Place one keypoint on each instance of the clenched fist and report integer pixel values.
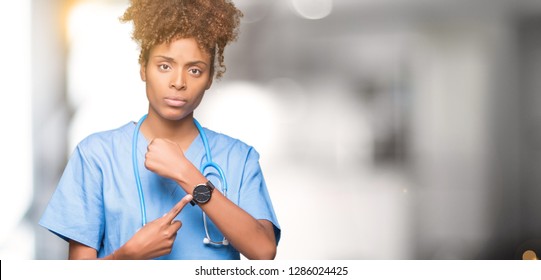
(165, 158)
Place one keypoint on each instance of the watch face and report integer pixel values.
(201, 194)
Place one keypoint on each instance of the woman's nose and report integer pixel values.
(178, 82)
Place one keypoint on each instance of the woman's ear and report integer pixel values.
(143, 73)
(211, 74)
(209, 83)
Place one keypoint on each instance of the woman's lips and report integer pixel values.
(174, 102)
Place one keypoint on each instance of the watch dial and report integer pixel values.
(201, 194)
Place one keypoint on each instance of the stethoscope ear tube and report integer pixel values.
(207, 240)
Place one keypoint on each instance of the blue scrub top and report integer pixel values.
(97, 204)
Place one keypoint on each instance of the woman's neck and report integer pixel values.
(181, 131)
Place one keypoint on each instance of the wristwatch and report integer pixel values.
(202, 193)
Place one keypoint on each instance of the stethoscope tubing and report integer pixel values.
(136, 171)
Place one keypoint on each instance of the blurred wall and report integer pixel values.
(50, 115)
(16, 234)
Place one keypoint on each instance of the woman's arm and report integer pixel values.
(253, 238)
(78, 251)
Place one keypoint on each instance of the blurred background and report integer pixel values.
(388, 129)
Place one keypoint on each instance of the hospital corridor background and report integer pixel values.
(388, 129)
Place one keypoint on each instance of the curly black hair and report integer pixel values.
(212, 23)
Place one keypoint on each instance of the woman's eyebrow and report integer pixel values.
(197, 62)
(169, 59)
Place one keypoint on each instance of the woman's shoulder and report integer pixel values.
(222, 141)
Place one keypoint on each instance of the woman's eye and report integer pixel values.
(195, 71)
(164, 67)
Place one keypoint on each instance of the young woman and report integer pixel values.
(150, 170)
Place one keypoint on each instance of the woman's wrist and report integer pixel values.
(189, 177)
(120, 254)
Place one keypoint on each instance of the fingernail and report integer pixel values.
(189, 197)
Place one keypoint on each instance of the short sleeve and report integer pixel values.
(75, 210)
(254, 197)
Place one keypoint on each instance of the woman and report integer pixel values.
(97, 207)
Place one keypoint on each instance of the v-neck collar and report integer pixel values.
(190, 154)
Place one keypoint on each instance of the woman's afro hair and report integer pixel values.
(212, 23)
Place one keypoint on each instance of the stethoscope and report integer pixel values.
(209, 163)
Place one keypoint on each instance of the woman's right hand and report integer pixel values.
(156, 238)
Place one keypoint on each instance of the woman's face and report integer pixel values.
(176, 75)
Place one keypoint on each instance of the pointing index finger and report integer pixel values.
(170, 216)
